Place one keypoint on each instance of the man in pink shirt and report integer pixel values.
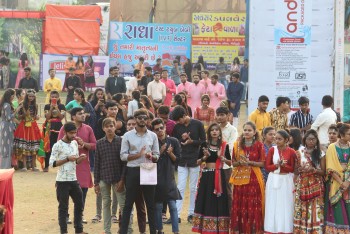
(195, 92)
(86, 141)
(184, 86)
(170, 87)
(216, 92)
(205, 81)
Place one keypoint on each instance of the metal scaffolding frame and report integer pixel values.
(170, 11)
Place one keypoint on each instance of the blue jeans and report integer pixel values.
(173, 216)
(224, 82)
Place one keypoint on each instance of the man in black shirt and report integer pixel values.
(112, 110)
(148, 77)
(28, 82)
(115, 83)
(72, 83)
(191, 134)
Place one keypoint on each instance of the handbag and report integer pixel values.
(148, 173)
(241, 174)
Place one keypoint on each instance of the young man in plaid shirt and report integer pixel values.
(109, 171)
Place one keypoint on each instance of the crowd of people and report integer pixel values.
(288, 172)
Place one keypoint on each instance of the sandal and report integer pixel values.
(35, 169)
(96, 219)
(24, 169)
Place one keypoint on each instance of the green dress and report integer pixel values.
(337, 216)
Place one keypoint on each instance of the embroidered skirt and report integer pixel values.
(247, 207)
(308, 215)
(211, 213)
(337, 216)
(27, 139)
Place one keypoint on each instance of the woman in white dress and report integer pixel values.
(279, 206)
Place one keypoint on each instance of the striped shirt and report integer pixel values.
(298, 119)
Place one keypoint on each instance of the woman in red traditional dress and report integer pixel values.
(90, 74)
(205, 113)
(248, 157)
(27, 135)
(280, 186)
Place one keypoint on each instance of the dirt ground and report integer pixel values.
(36, 207)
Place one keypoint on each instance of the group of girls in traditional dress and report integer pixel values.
(307, 190)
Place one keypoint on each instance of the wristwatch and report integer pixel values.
(67, 159)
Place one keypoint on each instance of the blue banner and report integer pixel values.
(130, 41)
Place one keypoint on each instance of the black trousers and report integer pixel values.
(64, 190)
(133, 189)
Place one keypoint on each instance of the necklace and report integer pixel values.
(341, 145)
(213, 150)
(280, 152)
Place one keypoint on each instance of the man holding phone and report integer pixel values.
(86, 141)
(65, 155)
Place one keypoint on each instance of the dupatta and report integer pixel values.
(333, 166)
(218, 166)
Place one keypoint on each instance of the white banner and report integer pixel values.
(290, 54)
(57, 62)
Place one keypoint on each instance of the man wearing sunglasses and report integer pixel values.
(139, 146)
(166, 189)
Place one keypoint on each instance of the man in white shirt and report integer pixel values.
(324, 120)
(156, 91)
(65, 155)
(229, 134)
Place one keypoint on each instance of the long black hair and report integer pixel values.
(6, 98)
(23, 59)
(137, 95)
(295, 133)
(79, 59)
(147, 102)
(316, 153)
(80, 92)
(26, 101)
(91, 61)
(209, 138)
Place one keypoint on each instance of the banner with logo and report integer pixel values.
(130, 41)
(57, 62)
(217, 35)
(291, 47)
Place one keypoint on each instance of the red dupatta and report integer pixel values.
(218, 166)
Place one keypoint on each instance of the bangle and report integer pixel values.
(67, 159)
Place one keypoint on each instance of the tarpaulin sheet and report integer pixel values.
(72, 29)
(7, 198)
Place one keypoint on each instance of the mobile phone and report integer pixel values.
(54, 101)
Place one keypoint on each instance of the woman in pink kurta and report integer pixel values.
(22, 63)
(86, 134)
